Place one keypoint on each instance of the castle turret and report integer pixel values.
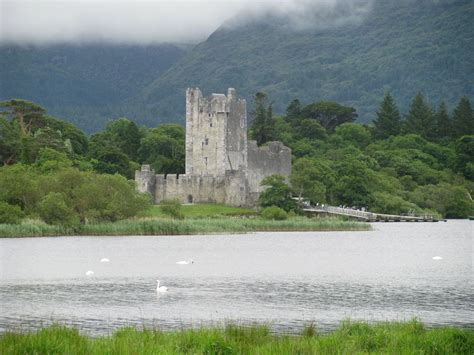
(145, 180)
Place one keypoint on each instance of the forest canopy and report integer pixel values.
(421, 161)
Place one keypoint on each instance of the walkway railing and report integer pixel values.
(366, 215)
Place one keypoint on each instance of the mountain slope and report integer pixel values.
(85, 84)
(403, 47)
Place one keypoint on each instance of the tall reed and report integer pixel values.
(184, 227)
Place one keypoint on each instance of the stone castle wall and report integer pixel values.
(221, 166)
(230, 189)
(271, 158)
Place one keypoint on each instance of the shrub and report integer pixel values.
(11, 214)
(102, 197)
(384, 202)
(275, 213)
(172, 208)
(277, 193)
(53, 210)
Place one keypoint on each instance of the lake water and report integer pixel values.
(282, 279)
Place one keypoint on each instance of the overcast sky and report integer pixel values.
(151, 21)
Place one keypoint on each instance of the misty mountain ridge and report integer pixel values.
(85, 83)
(398, 47)
(351, 53)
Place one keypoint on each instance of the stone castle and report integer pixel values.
(221, 165)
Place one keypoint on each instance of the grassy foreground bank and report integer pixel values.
(350, 338)
(182, 227)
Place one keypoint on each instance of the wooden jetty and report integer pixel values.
(368, 216)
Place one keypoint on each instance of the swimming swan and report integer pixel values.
(437, 258)
(185, 262)
(104, 260)
(90, 273)
(160, 288)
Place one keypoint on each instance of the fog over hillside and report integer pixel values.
(155, 21)
(401, 47)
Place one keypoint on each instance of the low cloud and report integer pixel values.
(306, 14)
(157, 21)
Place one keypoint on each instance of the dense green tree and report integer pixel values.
(19, 185)
(111, 160)
(23, 117)
(122, 134)
(329, 114)
(277, 193)
(303, 148)
(53, 209)
(312, 179)
(125, 135)
(310, 129)
(283, 131)
(355, 134)
(353, 186)
(25, 129)
(464, 161)
(263, 125)
(420, 118)
(383, 202)
(293, 112)
(44, 137)
(68, 195)
(70, 134)
(450, 201)
(50, 160)
(463, 118)
(443, 125)
(28, 114)
(108, 198)
(387, 122)
(11, 214)
(10, 141)
(164, 149)
(408, 183)
(115, 150)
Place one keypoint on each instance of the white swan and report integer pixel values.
(89, 273)
(104, 260)
(185, 262)
(437, 258)
(160, 288)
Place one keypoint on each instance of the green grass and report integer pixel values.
(350, 338)
(202, 211)
(166, 226)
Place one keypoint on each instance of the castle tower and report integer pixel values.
(221, 166)
(216, 133)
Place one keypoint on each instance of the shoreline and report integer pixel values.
(349, 337)
(190, 226)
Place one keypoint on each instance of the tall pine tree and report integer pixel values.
(463, 118)
(293, 113)
(263, 125)
(420, 118)
(387, 122)
(442, 122)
